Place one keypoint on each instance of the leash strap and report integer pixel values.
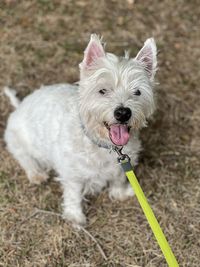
(158, 233)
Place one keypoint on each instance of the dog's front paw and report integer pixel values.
(76, 217)
(121, 193)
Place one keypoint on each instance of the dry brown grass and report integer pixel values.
(41, 42)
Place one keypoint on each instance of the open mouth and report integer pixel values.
(118, 133)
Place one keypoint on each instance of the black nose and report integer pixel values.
(122, 114)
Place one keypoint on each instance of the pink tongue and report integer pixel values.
(119, 134)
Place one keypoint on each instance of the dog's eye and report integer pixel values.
(137, 92)
(102, 91)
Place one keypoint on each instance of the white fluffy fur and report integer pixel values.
(45, 131)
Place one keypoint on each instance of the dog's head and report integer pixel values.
(116, 93)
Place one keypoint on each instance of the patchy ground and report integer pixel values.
(41, 42)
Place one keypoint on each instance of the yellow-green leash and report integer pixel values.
(124, 160)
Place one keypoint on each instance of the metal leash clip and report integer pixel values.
(122, 158)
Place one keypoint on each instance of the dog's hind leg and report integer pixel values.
(35, 171)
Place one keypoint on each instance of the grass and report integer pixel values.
(42, 42)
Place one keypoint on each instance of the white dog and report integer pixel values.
(73, 128)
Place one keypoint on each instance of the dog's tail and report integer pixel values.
(11, 94)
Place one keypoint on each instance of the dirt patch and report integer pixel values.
(42, 42)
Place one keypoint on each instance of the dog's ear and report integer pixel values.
(147, 57)
(93, 51)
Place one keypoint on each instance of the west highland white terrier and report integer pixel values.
(73, 128)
